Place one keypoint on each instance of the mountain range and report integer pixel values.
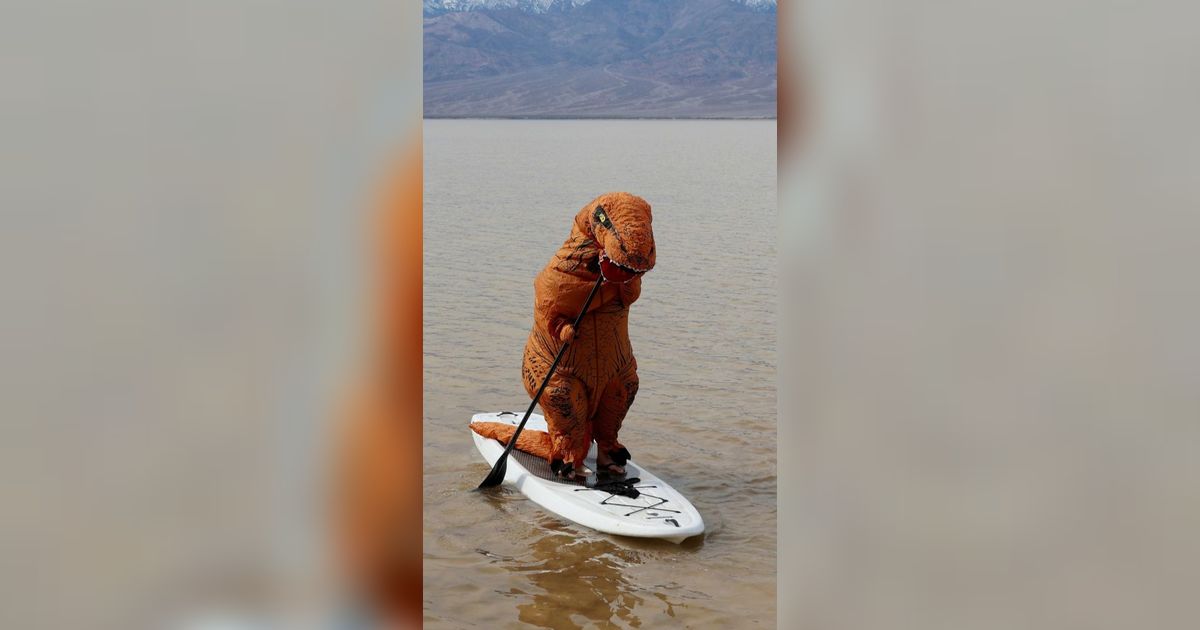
(534, 6)
(600, 58)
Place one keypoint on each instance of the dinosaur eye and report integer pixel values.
(602, 217)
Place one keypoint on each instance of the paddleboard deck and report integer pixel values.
(638, 504)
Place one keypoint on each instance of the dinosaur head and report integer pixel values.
(620, 226)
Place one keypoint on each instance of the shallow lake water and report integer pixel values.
(500, 196)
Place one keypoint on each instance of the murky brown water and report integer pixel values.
(499, 198)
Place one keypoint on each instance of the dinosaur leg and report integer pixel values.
(564, 404)
(615, 401)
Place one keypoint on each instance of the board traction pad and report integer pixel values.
(540, 468)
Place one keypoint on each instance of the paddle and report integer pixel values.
(499, 469)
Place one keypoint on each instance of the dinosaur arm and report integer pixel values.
(630, 291)
(562, 329)
(558, 297)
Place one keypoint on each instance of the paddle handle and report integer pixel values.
(501, 463)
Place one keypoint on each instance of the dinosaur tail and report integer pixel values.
(532, 442)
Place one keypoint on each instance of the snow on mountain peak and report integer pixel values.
(534, 6)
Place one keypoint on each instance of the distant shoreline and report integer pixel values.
(607, 117)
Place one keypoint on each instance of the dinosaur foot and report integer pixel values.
(612, 462)
(568, 470)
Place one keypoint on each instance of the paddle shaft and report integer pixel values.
(496, 476)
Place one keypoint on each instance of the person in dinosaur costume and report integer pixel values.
(594, 385)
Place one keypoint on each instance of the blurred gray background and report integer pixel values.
(184, 193)
(990, 412)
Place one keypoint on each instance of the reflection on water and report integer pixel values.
(579, 582)
(499, 198)
(576, 578)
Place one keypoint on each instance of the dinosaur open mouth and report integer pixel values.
(614, 271)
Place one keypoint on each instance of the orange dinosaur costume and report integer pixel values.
(596, 381)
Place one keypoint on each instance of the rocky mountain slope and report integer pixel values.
(600, 58)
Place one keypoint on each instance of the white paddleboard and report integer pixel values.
(658, 510)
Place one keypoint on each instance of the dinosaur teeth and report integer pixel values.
(633, 270)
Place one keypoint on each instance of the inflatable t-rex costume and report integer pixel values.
(595, 382)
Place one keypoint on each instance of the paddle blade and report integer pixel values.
(496, 477)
